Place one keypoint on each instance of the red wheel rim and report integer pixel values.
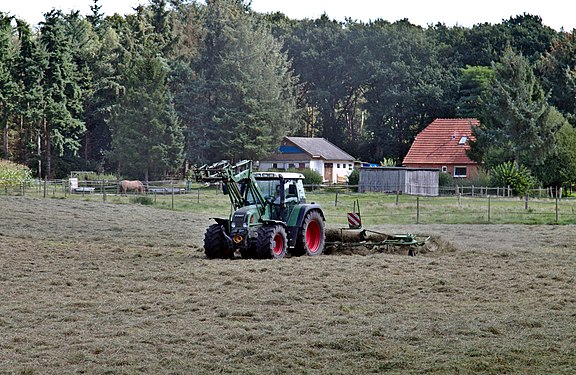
(278, 244)
(313, 236)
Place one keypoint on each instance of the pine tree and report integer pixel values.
(146, 134)
(62, 126)
(242, 97)
(8, 88)
(30, 66)
(516, 119)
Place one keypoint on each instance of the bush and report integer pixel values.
(14, 174)
(311, 177)
(445, 179)
(142, 199)
(507, 174)
(354, 179)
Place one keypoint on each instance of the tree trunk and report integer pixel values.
(39, 153)
(6, 140)
(48, 150)
(517, 159)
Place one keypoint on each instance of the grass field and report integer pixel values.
(376, 208)
(104, 288)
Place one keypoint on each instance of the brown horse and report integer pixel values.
(126, 185)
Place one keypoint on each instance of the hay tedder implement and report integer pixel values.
(355, 236)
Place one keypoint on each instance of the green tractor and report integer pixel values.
(270, 217)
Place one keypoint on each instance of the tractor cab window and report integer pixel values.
(291, 191)
(271, 190)
(268, 187)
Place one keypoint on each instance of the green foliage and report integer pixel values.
(388, 162)
(203, 81)
(473, 81)
(445, 179)
(312, 177)
(97, 177)
(62, 89)
(146, 133)
(558, 74)
(516, 117)
(8, 87)
(559, 168)
(508, 174)
(333, 103)
(354, 179)
(406, 87)
(142, 199)
(13, 174)
(240, 101)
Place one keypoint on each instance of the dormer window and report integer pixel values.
(463, 140)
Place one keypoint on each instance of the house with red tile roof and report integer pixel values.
(444, 144)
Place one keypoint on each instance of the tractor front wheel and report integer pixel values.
(215, 244)
(272, 242)
(311, 236)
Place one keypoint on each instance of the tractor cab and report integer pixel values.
(270, 183)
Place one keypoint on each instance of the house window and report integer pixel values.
(301, 165)
(350, 166)
(291, 166)
(463, 140)
(460, 172)
(444, 169)
(274, 166)
(337, 165)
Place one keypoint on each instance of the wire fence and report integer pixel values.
(457, 205)
(406, 209)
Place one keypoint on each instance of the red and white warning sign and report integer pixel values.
(354, 220)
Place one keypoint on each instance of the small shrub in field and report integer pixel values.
(508, 174)
(142, 199)
(354, 179)
(14, 174)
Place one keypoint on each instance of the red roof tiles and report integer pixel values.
(444, 141)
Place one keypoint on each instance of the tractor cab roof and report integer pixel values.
(276, 175)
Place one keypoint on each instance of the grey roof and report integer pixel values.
(320, 147)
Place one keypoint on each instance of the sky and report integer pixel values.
(555, 13)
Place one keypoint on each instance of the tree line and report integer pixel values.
(183, 82)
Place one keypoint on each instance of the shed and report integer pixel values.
(413, 181)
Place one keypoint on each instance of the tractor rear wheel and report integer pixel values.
(311, 236)
(272, 242)
(215, 245)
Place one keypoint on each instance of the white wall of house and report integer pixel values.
(318, 166)
(340, 169)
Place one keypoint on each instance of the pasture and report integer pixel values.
(377, 208)
(105, 288)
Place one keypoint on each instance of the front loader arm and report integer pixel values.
(232, 177)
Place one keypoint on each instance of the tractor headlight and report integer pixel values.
(233, 225)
